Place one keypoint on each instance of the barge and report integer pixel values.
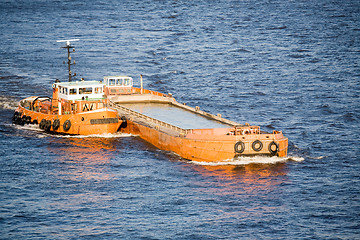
(189, 132)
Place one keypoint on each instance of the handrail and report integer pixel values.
(147, 118)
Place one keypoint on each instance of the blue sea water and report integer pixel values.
(284, 65)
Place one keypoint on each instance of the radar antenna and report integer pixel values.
(68, 47)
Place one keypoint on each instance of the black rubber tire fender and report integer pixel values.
(23, 118)
(56, 124)
(20, 120)
(273, 152)
(239, 147)
(42, 123)
(15, 117)
(67, 125)
(257, 145)
(47, 125)
(28, 120)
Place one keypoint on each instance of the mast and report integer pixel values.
(68, 47)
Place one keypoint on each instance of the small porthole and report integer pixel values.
(82, 119)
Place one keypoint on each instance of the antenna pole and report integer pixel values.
(68, 47)
(69, 61)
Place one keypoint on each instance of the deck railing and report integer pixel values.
(149, 119)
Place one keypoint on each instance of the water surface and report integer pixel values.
(284, 65)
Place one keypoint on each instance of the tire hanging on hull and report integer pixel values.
(47, 125)
(56, 124)
(257, 145)
(239, 147)
(272, 151)
(42, 123)
(67, 125)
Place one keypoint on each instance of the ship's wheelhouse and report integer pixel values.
(81, 90)
(115, 85)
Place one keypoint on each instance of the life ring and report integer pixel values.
(47, 125)
(56, 124)
(67, 125)
(271, 150)
(257, 145)
(42, 123)
(239, 147)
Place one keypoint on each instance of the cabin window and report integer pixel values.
(63, 90)
(127, 82)
(119, 82)
(87, 90)
(72, 91)
(74, 107)
(113, 90)
(112, 82)
(98, 90)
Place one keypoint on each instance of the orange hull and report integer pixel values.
(100, 121)
(209, 145)
(205, 145)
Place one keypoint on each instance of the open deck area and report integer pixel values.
(174, 115)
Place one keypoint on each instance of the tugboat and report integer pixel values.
(76, 107)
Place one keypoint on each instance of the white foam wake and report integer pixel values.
(106, 135)
(36, 128)
(251, 160)
(8, 103)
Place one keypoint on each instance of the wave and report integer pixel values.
(318, 158)
(251, 160)
(105, 135)
(8, 103)
(42, 134)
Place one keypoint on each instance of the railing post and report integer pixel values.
(141, 83)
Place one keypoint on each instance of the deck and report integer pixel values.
(175, 116)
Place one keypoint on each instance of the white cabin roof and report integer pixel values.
(81, 84)
(80, 89)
